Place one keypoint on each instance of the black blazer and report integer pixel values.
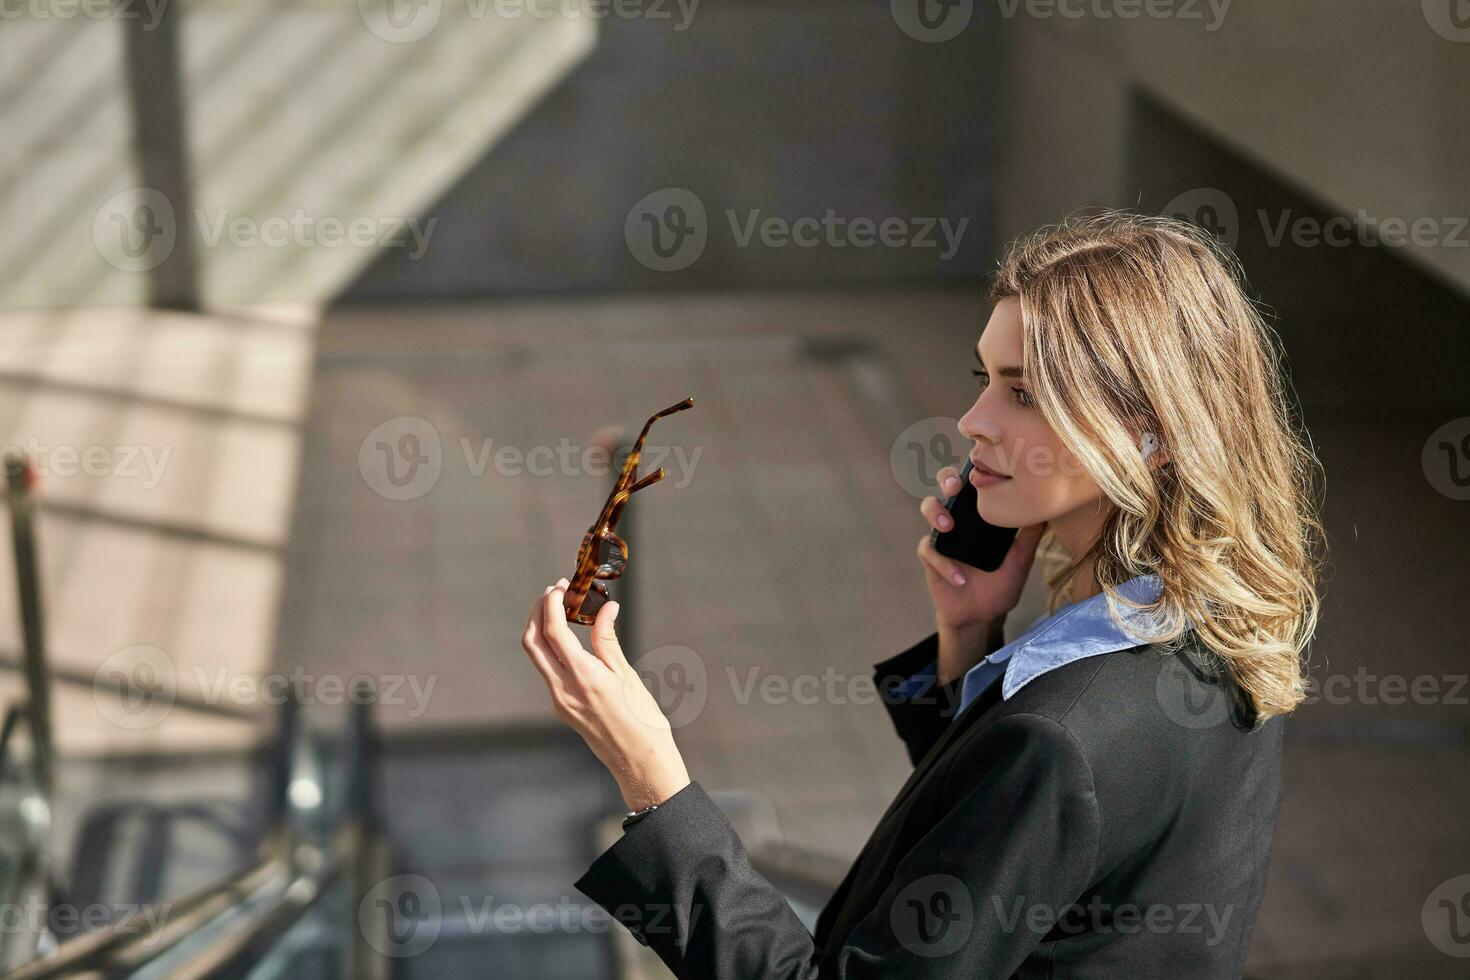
(1113, 818)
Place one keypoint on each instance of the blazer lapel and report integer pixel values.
(957, 727)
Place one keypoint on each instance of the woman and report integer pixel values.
(1096, 797)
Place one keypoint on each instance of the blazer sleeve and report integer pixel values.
(919, 707)
(1013, 846)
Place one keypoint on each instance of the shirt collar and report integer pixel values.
(1081, 629)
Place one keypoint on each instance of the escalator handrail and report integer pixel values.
(13, 714)
(92, 950)
(297, 872)
(243, 947)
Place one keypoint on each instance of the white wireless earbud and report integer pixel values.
(1147, 444)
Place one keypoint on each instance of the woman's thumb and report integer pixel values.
(604, 637)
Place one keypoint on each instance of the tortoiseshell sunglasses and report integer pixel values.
(603, 554)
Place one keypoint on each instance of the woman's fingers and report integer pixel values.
(605, 639)
(948, 480)
(554, 623)
(945, 568)
(533, 641)
(934, 512)
(532, 633)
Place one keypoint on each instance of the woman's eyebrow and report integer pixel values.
(1005, 372)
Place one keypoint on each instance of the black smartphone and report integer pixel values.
(973, 540)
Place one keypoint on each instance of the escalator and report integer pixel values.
(309, 841)
(328, 852)
(289, 913)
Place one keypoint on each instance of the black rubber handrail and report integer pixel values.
(240, 949)
(94, 950)
(291, 878)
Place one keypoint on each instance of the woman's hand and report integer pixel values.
(969, 603)
(604, 699)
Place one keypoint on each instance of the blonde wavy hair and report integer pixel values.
(1138, 323)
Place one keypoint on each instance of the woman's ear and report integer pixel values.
(1148, 446)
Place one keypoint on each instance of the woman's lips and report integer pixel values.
(981, 478)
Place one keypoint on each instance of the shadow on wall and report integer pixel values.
(726, 134)
(1344, 297)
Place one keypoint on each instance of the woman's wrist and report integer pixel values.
(962, 647)
(642, 792)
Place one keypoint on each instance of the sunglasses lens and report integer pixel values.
(610, 559)
(596, 599)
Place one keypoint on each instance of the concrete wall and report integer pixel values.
(1361, 104)
(783, 109)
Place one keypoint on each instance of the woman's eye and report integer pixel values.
(1022, 396)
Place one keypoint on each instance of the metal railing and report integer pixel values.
(30, 870)
(318, 840)
(323, 830)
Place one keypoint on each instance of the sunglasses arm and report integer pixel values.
(619, 500)
(630, 465)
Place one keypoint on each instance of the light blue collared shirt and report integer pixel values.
(1081, 629)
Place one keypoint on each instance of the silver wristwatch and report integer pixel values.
(634, 816)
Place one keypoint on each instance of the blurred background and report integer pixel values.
(319, 321)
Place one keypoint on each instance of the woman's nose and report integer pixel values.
(977, 426)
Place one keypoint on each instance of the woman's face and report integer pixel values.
(1046, 482)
